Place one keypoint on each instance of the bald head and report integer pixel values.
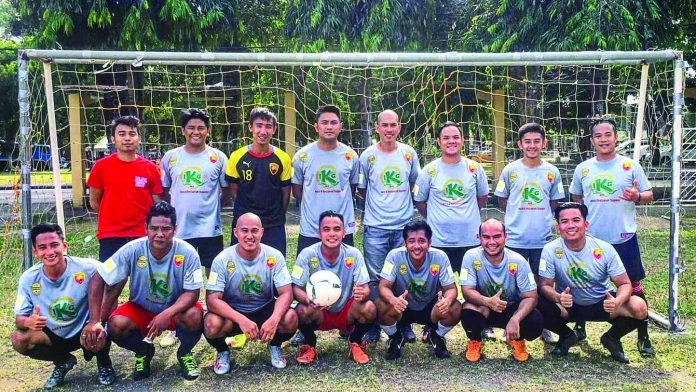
(491, 224)
(388, 128)
(249, 219)
(387, 115)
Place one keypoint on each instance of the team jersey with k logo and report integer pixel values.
(513, 275)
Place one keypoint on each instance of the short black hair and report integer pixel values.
(329, 109)
(492, 219)
(42, 228)
(531, 128)
(130, 121)
(416, 225)
(161, 208)
(446, 124)
(330, 214)
(263, 113)
(568, 206)
(601, 120)
(190, 114)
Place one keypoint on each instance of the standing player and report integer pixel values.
(51, 309)
(528, 191)
(417, 285)
(611, 186)
(574, 274)
(122, 179)
(165, 281)
(353, 312)
(241, 295)
(388, 171)
(260, 175)
(325, 174)
(500, 291)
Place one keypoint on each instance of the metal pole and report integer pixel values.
(53, 136)
(25, 156)
(640, 117)
(675, 214)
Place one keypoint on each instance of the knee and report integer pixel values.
(369, 311)
(20, 342)
(118, 326)
(212, 326)
(289, 321)
(305, 314)
(192, 319)
(641, 310)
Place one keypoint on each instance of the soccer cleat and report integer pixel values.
(439, 345)
(488, 334)
(298, 339)
(615, 348)
(189, 367)
(106, 375)
(473, 350)
(645, 348)
(580, 330)
(409, 336)
(59, 372)
(519, 350)
(373, 334)
(222, 362)
(168, 339)
(277, 358)
(549, 337)
(357, 352)
(141, 366)
(394, 345)
(564, 344)
(426, 334)
(306, 354)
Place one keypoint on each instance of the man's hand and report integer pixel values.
(399, 303)
(249, 328)
(443, 303)
(361, 293)
(631, 194)
(93, 333)
(512, 330)
(268, 329)
(565, 298)
(35, 322)
(495, 303)
(158, 324)
(609, 303)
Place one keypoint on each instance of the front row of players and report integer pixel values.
(66, 303)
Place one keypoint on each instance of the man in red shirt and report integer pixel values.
(122, 187)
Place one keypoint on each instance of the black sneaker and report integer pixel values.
(141, 365)
(615, 348)
(564, 344)
(394, 345)
(373, 334)
(645, 348)
(407, 331)
(61, 369)
(298, 339)
(580, 331)
(189, 367)
(439, 345)
(426, 334)
(106, 375)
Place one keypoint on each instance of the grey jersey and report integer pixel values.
(587, 272)
(326, 178)
(154, 284)
(513, 275)
(388, 176)
(450, 191)
(600, 184)
(423, 283)
(248, 285)
(63, 302)
(529, 192)
(349, 266)
(194, 182)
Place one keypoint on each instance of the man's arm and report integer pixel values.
(165, 195)
(623, 289)
(111, 294)
(95, 196)
(226, 194)
(422, 207)
(473, 296)
(234, 188)
(300, 295)
(482, 200)
(297, 192)
(546, 287)
(528, 303)
(156, 198)
(502, 203)
(353, 189)
(577, 198)
(282, 304)
(286, 197)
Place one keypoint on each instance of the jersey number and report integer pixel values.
(246, 174)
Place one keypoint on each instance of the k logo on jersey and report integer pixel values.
(192, 177)
(391, 177)
(602, 185)
(417, 288)
(453, 190)
(327, 177)
(492, 287)
(62, 310)
(530, 194)
(159, 289)
(251, 285)
(577, 273)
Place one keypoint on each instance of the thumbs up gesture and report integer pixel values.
(565, 298)
(399, 303)
(609, 303)
(495, 303)
(632, 193)
(443, 303)
(35, 322)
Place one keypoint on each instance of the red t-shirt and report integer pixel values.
(127, 188)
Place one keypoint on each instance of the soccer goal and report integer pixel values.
(68, 97)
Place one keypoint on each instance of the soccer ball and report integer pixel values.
(324, 288)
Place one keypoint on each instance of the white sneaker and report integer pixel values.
(222, 363)
(168, 339)
(549, 337)
(277, 358)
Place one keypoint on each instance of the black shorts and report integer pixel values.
(592, 312)
(259, 317)
(274, 236)
(109, 246)
(67, 345)
(207, 248)
(531, 255)
(423, 316)
(630, 257)
(304, 242)
(455, 254)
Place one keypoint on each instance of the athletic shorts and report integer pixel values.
(142, 317)
(258, 317)
(109, 246)
(68, 344)
(423, 316)
(630, 256)
(207, 248)
(592, 312)
(531, 255)
(274, 236)
(337, 320)
(455, 254)
(304, 242)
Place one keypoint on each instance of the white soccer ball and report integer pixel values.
(324, 288)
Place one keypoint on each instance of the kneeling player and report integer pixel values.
(417, 286)
(51, 309)
(165, 281)
(353, 312)
(499, 288)
(240, 295)
(581, 267)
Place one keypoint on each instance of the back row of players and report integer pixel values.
(448, 192)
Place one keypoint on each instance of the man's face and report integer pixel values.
(160, 233)
(262, 131)
(450, 141)
(388, 127)
(531, 144)
(328, 127)
(492, 238)
(604, 138)
(249, 233)
(331, 232)
(195, 132)
(417, 245)
(571, 225)
(49, 249)
(126, 139)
